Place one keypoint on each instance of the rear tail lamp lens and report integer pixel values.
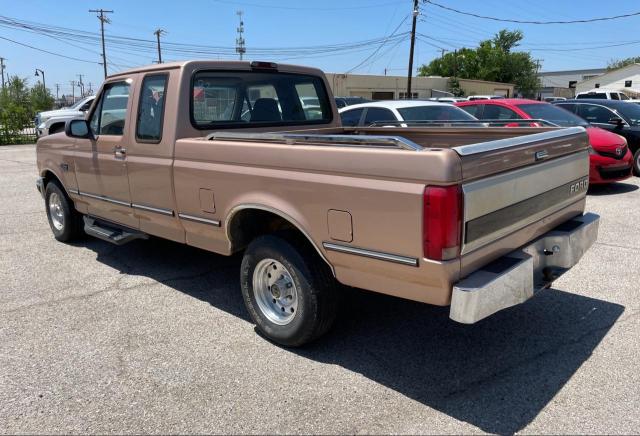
(442, 222)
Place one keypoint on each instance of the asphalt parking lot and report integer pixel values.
(153, 337)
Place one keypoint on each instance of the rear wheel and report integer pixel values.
(64, 220)
(288, 290)
(636, 163)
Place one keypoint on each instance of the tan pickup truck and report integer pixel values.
(251, 157)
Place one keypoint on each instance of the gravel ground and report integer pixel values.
(153, 337)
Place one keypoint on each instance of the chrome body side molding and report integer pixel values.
(379, 255)
(198, 219)
(159, 210)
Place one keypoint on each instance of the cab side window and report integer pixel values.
(595, 114)
(351, 118)
(150, 117)
(111, 111)
(495, 112)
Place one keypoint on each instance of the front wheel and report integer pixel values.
(288, 290)
(636, 163)
(64, 220)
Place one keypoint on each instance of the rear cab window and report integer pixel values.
(237, 99)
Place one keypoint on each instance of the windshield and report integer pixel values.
(434, 113)
(77, 104)
(631, 113)
(554, 114)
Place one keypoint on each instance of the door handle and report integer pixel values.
(120, 153)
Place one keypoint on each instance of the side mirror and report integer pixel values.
(616, 121)
(77, 129)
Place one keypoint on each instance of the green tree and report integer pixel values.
(615, 64)
(494, 60)
(15, 109)
(454, 87)
(41, 99)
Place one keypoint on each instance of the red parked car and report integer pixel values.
(610, 159)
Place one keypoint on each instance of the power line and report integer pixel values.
(47, 51)
(507, 20)
(299, 8)
(381, 45)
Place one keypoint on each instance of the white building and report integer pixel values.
(563, 83)
(626, 79)
(376, 87)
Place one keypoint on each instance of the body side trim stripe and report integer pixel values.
(197, 219)
(107, 199)
(159, 210)
(379, 255)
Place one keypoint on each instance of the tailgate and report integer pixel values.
(511, 183)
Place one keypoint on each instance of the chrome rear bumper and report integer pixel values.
(516, 277)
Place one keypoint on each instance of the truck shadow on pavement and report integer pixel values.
(497, 375)
(612, 189)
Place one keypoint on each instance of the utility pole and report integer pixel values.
(90, 91)
(73, 91)
(157, 33)
(444, 50)
(413, 44)
(240, 48)
(57, 91)
(2, 68)
(81, 85)
(103, 19)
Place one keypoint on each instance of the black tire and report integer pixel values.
(636, 163)
(317, 290)
(72, 226)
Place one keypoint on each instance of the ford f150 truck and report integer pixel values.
(225, 156)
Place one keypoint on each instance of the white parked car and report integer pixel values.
(603, 94)
(393, 111)
(49, 122)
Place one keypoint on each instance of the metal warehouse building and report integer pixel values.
(395, 87)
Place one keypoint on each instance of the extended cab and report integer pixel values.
(231, 157)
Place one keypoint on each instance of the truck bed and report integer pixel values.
(514, 183)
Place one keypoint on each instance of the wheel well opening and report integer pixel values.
(248, 224)
(49, 177)
(56, 127)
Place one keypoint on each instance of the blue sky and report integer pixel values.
(291, 23)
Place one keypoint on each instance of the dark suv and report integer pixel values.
(621, 117)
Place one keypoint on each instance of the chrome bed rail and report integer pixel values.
(359, 141)
(464, 123)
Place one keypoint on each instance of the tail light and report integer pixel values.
(442, 222)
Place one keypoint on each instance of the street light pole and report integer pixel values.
(44, 84)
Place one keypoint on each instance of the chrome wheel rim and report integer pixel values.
(275, 291)
(55, 211)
